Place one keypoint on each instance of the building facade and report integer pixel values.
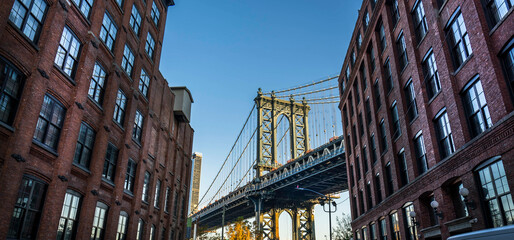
(90, 145)
(427, 100)
(197, 172)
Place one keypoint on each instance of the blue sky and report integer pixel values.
(224, 50)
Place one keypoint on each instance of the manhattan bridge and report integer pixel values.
(288, 156)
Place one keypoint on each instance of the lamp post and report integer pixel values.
(329, 206)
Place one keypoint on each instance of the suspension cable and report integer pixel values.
(304, 86)
(307, 93)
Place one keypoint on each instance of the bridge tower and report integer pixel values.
(269, 110)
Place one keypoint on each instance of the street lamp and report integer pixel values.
(330, 203)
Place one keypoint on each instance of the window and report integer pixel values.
(150, 45)
(373, 231)
(382, 37)
(365, 159)
(404, 173)
(354, 207)
(458, 200)
(431, 75)
(155, 14)
(120, 3)
(368, 195)
(108, 31)
(358, 167)
(508, 65)
(138, 126)
(389, 76)
(359, 42)
(67, 55)
(364, 233)
(167, 200)
(144, 82)
(27, 209)
(111, 157)
(354, 134)
(345, 116)
(378, 189)
(348, 145)
(140, 229)
(358, 235)
(84, 147)
(131, 176)
(157, 199)
(389, 179)
(84, 6)
(458, 39)
(395, 12)
(397, 131)
(363, 77)
(383, 136)
(119, 108)
(475, 106)
(496, 194)
(135, 20)
(498, 9)
(152, 232)
(68, 221)
(419, 149)
(351, 176)
(347, 72)
(360, 122)
(11, 85)
(49, 124)
(402, 51)
(365, 21)
(376, 88)
(444, 135)
(361, 202)
(367, 105)
(28, 15)
(146, 187)
(410, 228)
(99, 220)
(373, 149)
(356, 90)
(351, 104)
(383, 229)
(127, 63)
(410, 99)
(353, 58)
(97, 84)
(121, 233)
(420, 21)
(395, 226)
(372, 59)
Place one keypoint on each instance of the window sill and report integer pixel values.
(95, 103)
(118, 125)
(109, 182)
(422, 39)
(138, 143)
(434, 97)
(497, 25)
(106, 49)
(45, 147)
(413, 120)
(462, 65)
(404, 68)
(6, 126)
(83, 17)
(65, 75)
(442, 7)
(82, 168)
(128, 193)
(27, 40)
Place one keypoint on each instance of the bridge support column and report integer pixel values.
(257, 203)
(270, 225)
(303, 223)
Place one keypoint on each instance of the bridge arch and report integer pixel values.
(284, 139)
(286, 225)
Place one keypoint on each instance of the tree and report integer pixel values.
(343, 229)
(240, 230)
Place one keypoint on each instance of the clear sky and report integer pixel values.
(224, 50)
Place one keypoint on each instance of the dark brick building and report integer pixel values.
(93, 144)
(427, 100)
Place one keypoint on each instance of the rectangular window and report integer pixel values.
(354, 134)
(475, 106)
(144, 82)
(167, 200)
(150, 45)
(368, 195)
(135, 20)
(458, 39)
(352, 182)
(49, 124)
(402, 51)
(367, 105)
(388, 76)
(498, 9)
(351, 104)
(378, 102)
(431, 75)
(395, 12)
(155, 14)
(361, 202)
(378, 189)
(157, 199)
(121, 233)
(11, 85)
(111, 157)
(365, 159)
(108, 31)
(130, 176)
(421, 158)
(68, 221)
(347, 72)
(358, 235)
(373, 149)
(353, 58)
(354, 207)
(348, 145)
(140, 229)
(361, 124)
(444, 135)
(383, 229)
(372, 63)
(67, 55)
(97, 233)
(28, 15)
(84, 148)
(127, 63)
(389, 179)
(358, 167)
(410, 228)
(97, 84)
(410, 99)
(84, 6)
(382, 37)
(363, 78)
(373, 231)
(345, 116)
(496, 194)
(27, 209)
(120, 3)
(397, 131)
(357, 94)
(364, 233)
(395, 226)
(359, 42)
(383, 136)
(152, 232)
(420, 21)
(137, 131)
(404, 171)
(508, 66)
(365, 21)
(119, 108)
(146, 187)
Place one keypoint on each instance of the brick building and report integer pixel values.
(427, 100)
(93, 144)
